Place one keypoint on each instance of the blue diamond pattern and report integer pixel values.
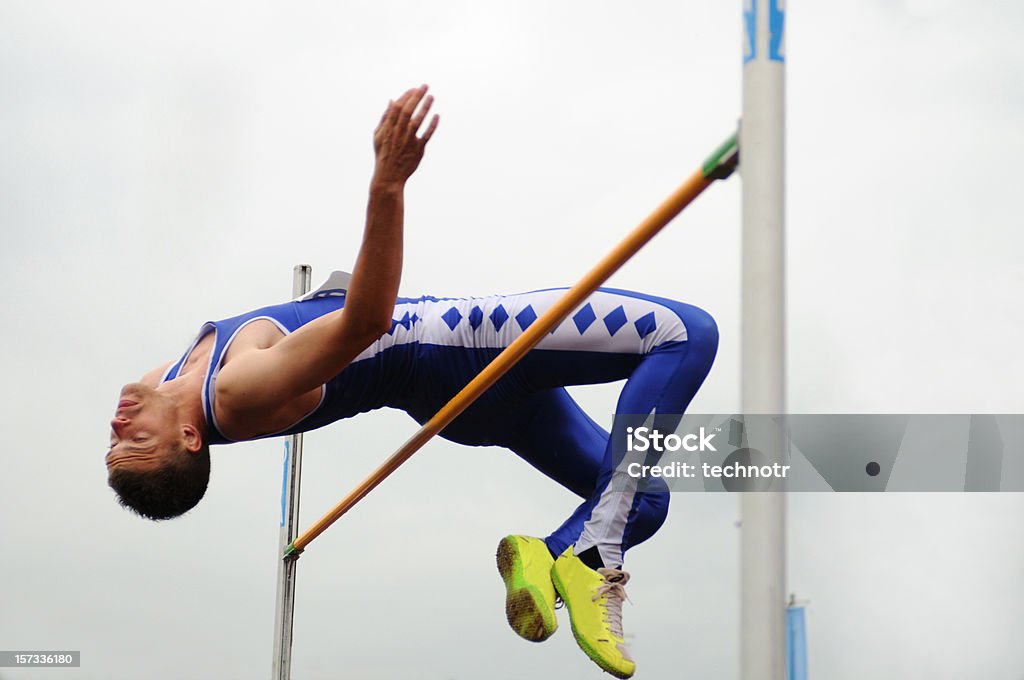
(452, 317)
(645, 325)
(405, 322)
(615, 320)
(413, 319)
(584, 318)
(498, 317)
(526, 317)
(476, 317)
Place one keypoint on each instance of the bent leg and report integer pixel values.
(553, 434)
(660, 391)
(664, 348)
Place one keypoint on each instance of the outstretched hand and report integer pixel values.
(397, 142)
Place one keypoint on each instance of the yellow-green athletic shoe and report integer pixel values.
(525, 565)
(594, 600)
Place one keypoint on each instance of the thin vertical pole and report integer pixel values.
(762, 139)
(285, 610)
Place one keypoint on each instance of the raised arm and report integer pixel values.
(378, 269)
(262, 379)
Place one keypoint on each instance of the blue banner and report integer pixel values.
(796, 644)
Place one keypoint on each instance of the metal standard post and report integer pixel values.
(763, 391)
(285, 610)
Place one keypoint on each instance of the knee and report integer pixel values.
(657, 507)
(701, 328)
(656, 497)
(651, 512)
(701, 339)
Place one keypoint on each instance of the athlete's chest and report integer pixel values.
(255, 335)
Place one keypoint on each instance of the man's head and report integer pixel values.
(158, 463)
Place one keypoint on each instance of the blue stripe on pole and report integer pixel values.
(284, 478)
(750, 30)
(776, 30)
(796, 643)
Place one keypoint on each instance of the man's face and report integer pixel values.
(144, 422)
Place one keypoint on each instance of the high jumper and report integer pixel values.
(304, 364)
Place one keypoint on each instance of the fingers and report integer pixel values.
(421, 113)
(418, 106)
(430, 129)
(402, 120)
(395, 107)
(411, 99)
(408, 112)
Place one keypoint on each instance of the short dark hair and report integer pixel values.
(165, 493)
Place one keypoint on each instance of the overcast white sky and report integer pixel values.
(165, 164)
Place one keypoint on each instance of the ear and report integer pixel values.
(193, 440)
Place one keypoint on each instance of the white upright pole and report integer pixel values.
(762, 167)
(285, 610)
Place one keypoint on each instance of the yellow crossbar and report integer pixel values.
(718, 166)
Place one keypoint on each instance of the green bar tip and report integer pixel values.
(291, 552)
(721, 163)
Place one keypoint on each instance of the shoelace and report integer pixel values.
(613, 589)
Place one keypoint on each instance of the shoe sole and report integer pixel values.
(525, 608)
(583, 644)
